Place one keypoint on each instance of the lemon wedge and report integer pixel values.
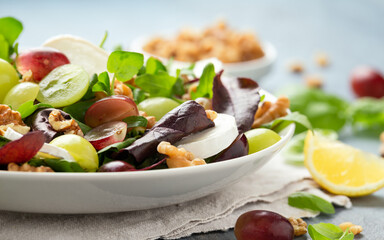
(342, 169)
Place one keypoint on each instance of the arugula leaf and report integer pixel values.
(305, 200)
(328, 231)
(280, 123)
(117, 146)
(204, 89)
(157, 85)
(3, 141)
(57, 165)
(125, 65)
(103, 84)
(135, 121)
(27, 108)
(153, 66)
(101, 45)
(367, 115)
(178, 87)
(323, 110)
(4, 48)
(90, 94)
(84, 128)
(78, 109)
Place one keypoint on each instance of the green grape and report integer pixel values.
(261, 138)
(80, 149)
(21, 93)
(157, 106)
(63, 86)
(8, 78)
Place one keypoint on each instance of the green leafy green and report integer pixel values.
(27, 108)
(78, 109)
(367, 115)
(117, 146)
(135, 121)
(323, 110)
(125, 65)
(305, 200)
(153, 66)
(157, 85)
(57, 165)
(280, 123)
(84, 128)
(90, 94)
(103, 84)
(138, 95)
(10, 29)
(118, 47)
(293, 152)
(3, 141)
(204, 89)
(328, 231)
(101, 45)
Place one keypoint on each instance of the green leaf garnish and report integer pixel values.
(280, 123)
(103, 84)
(90, 94)
(77, 110)
(57, 165)
(328, 231)
(10, 29)
(27, 108)
(138, 95)
(135, 121)
(125, 65)
(117, 146)
(104, 39)
(304, 200)
(204, 89)
(154, 66)
(157, 85)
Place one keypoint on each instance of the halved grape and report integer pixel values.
(157, 106)
(63, 86)
(80, 149)
(261, 138)
(8, 78)
(21, 93)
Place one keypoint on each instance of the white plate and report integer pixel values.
(126, 191)
(254, 69)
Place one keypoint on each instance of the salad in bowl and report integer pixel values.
(81, 127)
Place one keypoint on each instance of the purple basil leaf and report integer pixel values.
(238, 97)
(187, 118)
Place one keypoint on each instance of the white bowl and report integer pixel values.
(254, 69)
(126, 191)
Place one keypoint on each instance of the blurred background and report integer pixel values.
(349, 32)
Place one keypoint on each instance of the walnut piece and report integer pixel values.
(27, 168)
(11, 119)
(178, 157)
(121, 89)
(299, 226)
(151, 119)
(212, 115)
(321, 59)
(60, 124)
(270, 111)
(314, 81)
(296, 67)
(206, 103)
(352, 228)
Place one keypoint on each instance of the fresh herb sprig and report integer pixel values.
(309, 201)
(328, 231)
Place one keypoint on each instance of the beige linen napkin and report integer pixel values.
(267, 188)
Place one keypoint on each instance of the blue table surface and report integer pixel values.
(350, 32)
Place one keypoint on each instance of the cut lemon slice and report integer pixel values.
(342, 169)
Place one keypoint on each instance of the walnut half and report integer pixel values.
(11, 119)
(178, 157)
(299, 226)
(60, 124)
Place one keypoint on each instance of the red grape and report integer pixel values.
(367, 82)
(40, 61)
(107, 134)
(263, 225)
(116, 166)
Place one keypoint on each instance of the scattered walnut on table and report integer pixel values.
(60, 124)
(352, 228)
(178, 157)
(11, 119)
(321, 59)
(268, 111)
(314, 81)
(299, 226)
(295, 66)
(27, 168)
